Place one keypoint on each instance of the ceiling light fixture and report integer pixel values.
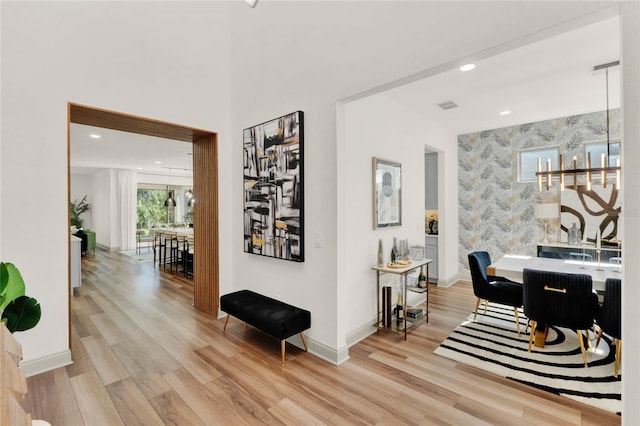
(94, 136)
(251, 3)
(467, 67)
(605, 160)
(507, 112)
(157, 162)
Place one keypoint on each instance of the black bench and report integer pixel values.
(266, 314)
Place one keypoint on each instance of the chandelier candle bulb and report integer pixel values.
(588, 171)
(561, 173)
(539, 176)
(603, 174)
(548, 173)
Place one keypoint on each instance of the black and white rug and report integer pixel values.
(492, 344)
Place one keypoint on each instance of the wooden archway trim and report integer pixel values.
(205, 185)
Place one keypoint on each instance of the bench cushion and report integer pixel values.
(272, 316)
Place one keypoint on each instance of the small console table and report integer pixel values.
(404, 271)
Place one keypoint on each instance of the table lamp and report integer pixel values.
(545, 212)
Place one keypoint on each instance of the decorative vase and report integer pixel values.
(380, 253)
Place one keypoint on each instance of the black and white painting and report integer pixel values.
(274, 188)
(387, 193)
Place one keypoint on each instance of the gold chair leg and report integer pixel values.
(534, 325)
(598, 336)
(475, 313)
(304, 342)
(616, 366)
(486, 305)
(282, 346)
(225, 323)
(584, 354)
(526, 330)
(588, 340)
(515, 312)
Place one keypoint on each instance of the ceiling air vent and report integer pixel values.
(448, 105)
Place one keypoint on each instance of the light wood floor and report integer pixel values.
(143, 355)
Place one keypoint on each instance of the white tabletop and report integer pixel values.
(511, 266)
(400, 270)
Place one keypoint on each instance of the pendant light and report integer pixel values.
(169, 202)
(605, 160)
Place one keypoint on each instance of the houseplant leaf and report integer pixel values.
(14, 286)
(21, 314)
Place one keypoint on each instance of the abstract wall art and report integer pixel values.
(274, 188)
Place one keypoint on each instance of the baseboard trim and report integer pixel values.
(322, 351)
(46, 363)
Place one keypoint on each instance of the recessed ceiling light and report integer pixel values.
(94, 136)
(467, 67)
(138, 168)
(158, 162)
(507, 112)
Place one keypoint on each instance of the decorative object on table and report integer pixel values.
(404, 250)
(380, 253)
(414, 312)
(558, 369)
(422, 279)
(77, 208)
(417, 252)
(386, 306)
(546, 212)
(399, 309)
(273, 166)
(574, 235)
(395, 253)
(18, 311)
(387, 193)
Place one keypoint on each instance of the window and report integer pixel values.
(599, 148)
(528, 162)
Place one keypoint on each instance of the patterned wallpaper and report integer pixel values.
(495, 210)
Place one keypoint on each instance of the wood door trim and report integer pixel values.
(206, 269)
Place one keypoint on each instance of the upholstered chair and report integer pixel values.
(489, 288)
(609, 316)
(560, 299)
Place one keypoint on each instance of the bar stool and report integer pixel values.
(188, 256)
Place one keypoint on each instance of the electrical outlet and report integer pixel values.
(317, 239)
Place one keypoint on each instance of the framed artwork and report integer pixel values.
(274, 188)
(387, 193)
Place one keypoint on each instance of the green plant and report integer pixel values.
(77, 208)
(18, 311)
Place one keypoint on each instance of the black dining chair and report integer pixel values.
(560, 299)
(609, 317)
(492, 288)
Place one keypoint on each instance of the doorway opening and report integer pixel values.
(205, 184)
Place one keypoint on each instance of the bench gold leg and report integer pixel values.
(282, 344)
(304, 342)
(225, 323)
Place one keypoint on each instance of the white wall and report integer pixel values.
(379, 126)
(81, 185)
(164, 60)
(289, 56)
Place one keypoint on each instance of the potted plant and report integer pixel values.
(77, 208)
(18, 311)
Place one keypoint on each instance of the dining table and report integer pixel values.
(511, 266)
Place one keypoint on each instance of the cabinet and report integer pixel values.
(406, 323)
(431, 181)
(431, 252)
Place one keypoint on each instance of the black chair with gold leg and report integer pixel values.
(609, 317)
(492, 288)
(560, 299)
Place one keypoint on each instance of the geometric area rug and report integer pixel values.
(492, 344)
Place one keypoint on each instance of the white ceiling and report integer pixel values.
(547, 79)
